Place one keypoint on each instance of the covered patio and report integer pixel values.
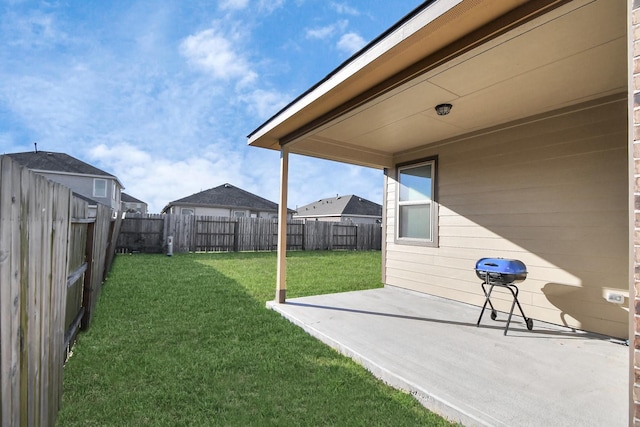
(530, 160)
(432, 348)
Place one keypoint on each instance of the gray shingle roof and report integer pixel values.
(227, 196)
(129, 199)
(56, 162)
(341, 205)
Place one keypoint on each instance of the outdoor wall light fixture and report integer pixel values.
(443, 109)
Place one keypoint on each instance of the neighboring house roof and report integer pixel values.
(124, 197)
(226, 196)
(341, 206)
(57, 162)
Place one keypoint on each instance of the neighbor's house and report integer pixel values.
(224, 201)
(95, 185)
(132, 205)
(531, 162)
(349, 209)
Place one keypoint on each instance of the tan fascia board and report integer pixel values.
(354, 65)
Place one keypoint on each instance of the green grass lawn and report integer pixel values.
(187, 341)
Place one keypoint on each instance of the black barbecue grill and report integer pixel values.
(504, 273)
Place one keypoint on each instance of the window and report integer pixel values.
(99, 187)
(186, 211)
(416, 203)
(239, 214)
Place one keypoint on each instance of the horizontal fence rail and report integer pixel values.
(149, 233)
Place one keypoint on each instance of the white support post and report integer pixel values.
(281, 285)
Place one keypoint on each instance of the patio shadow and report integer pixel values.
(572, 300)
(544, 330)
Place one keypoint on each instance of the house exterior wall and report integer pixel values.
(550, 191)
(84, 185)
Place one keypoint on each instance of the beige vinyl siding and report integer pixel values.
(552, 192)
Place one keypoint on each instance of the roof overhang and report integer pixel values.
(495, 61)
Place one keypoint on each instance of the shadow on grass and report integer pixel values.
(187, 340)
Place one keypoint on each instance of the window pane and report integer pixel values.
(415, 183)
(99, 188)
(415, 221)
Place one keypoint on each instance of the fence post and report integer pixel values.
(194, 232)
(304, 232)
(88, 274)
(235, 235)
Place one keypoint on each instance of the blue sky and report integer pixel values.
(162, 94)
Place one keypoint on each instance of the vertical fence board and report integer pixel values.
(62, 215)
(10, 265)
(89, 273)
(98, 238)
(32, 314)
(46, 285)
(113, 232)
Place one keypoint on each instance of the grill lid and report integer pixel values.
(501, 270)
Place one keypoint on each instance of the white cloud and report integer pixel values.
(351, 43)
(233, 4)
(122, 153)
(327, 31)
(268, 6)
(216, 53)
(157, 180)
(265, 103)
(33, 30)
(344, 9)
(263, 6)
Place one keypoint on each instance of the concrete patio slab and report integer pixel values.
(431, 347)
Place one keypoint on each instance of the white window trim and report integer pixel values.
(433, 204)
(95, 192)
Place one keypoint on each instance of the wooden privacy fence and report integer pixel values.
(149, 233)
(53, 259)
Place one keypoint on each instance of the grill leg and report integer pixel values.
(527, 321)
(486, 301)
(513, 304)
